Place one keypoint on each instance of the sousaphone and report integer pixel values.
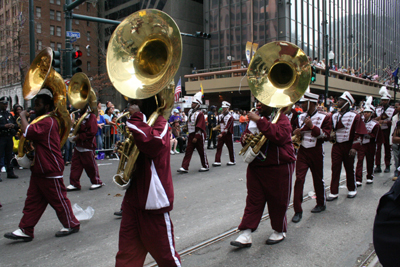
(278, 76)
(143, 56)
(41, 75)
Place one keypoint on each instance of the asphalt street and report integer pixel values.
(206, 205)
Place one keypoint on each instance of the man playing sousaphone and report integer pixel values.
(269, 180)
(146, 226)
(84, 152)
(46, 184)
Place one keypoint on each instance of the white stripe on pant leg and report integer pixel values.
(97, 175)
(171, 243)
(65, 205)
(323, 181)
(233, 150)
(60, 197)
(290, 169)
(204, 153)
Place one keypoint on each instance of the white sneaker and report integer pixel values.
(359, 183)
(182, 170)
(3, 169)
(231, 163)
(275, 238)
(370, 181)
(176, 152)
(20, 233)
(202, 169)
(95, 186)
(21, 168)
(244, 240)
(351, 194)
(216, 164)
(172, 152)
(72, 188)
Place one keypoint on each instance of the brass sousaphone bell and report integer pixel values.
(143, 56)
(80, 93)
(278, 76)
(41, 75)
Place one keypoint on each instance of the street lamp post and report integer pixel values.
(330, 58)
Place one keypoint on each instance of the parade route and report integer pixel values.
(206, 205)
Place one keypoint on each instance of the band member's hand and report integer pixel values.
(194, 140)
(352, 152)
(24, 113)
(308, 122)
(246, 136)
(76, 138)
(297, 131)
(253, 116)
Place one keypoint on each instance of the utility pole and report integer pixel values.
(31, 32)
(325, 22)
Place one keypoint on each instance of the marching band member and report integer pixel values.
(368, 147)
(212, 122)
(269, 180)
(225, 120)
(314, 127)
(84, 153)
(46, 184)
(146, 226)
(197, 133)
(384, 115)
(348, 129)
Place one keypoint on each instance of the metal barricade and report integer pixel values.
(107, 140)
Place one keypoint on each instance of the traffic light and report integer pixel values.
(76, 62)
(56, 63)
(313, 74)
(203, 35)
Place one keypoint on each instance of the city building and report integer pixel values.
(49, 32)
(360, 33)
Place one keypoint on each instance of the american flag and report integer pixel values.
(178, 90)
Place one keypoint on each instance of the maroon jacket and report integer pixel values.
(279, 149)
(87, 133)
(151, 186)
(49, 162)
(325, 129)
(227, 120)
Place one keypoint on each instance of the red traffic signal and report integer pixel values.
(77, 54)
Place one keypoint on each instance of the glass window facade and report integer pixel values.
(361, 33)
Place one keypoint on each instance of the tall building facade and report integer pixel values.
(49, 32)
(187, 14)
(361, 33)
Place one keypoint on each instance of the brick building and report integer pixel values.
(49, 32)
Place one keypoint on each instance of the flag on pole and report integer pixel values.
(178, 90)
(396, 72)
(201, 90)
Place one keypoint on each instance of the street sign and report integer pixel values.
(74, 34)
(73, 39)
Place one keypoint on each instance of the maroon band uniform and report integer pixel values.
(146, 226)
(349, 129)
(386, 115)
(269, 181)
(197, 129)
(311, 156)
(84, 152)
(226, 123)
(368, 149)
(46, 185)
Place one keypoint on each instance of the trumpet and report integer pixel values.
(296, 140)
(333, 137)
(217, 128)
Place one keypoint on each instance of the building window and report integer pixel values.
(51, 1)
(76, 47)
(58, 31)
(38, 12)
(39, 28)
(51, 30)
(87, 23)
(88, 36)
(1, 3)
(76, 21)
(59, 46)
(53, 45)
(88, 51)
(58, 15)
(51, 14)
(58, 2)
(88, 66)
(87, 7)
(39, 45)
